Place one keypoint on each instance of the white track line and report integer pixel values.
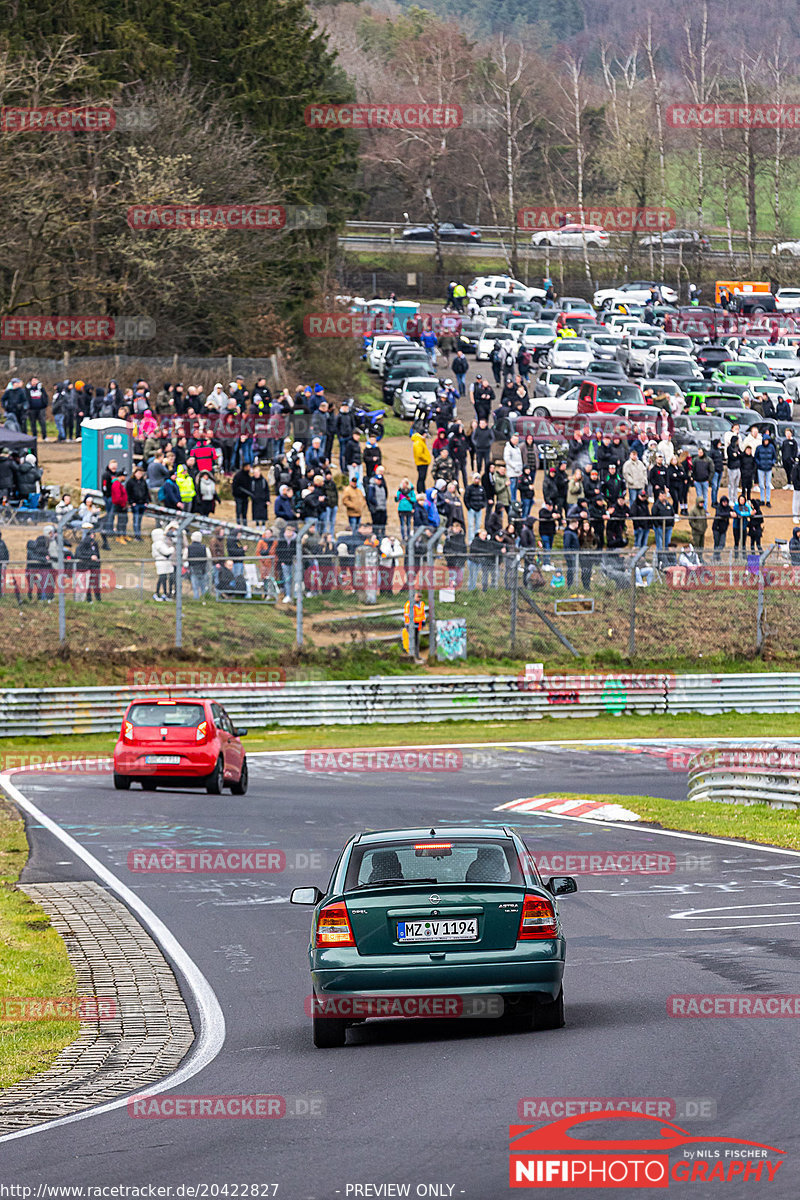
(211, 1036)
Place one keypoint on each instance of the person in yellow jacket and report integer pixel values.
(420, 617)
(422, 459)
(185, 485)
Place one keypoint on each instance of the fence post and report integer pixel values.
(62, 613)
(179, 580)
(760, 606)
(298, 580)
(632, 618)
(515, 599)
(432, 544)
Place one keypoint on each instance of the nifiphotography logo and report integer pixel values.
(563, 1154)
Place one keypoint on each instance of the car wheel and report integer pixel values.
(328, 1033)
(240, 787)
(759, 309)
(216, 779)
(550, 1014)
(122, 782)
(539, 411)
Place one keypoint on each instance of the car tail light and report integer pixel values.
(202, 731)
(333, 926)
(538, 919)
(127, 731)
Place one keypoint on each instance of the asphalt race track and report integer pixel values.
(429, 1102)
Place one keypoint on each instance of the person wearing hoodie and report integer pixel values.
(199, 559)
(163, 551)
(353, 501)
(698, 523)
(217, 399)
(765, 460)
(642, 522)
(662, 516)
(718, 459)
(748, 471)
(719, 526)
(37, 406)
(756, 527)
(206, 498)
(138, 499)
(742, 511)
(15, 402)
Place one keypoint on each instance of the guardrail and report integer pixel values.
(31, 712)
(753, 774)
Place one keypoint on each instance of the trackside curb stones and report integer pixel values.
(113, 956)
(557, 806)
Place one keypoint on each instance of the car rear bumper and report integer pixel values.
(522, 969)
(195, 766)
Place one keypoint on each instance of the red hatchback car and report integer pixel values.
(184, 742)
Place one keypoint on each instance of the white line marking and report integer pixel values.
(211, 1037)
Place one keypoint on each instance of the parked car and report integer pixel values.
(487, 288)
(488, 339)
(576, 304)
(632, 352)
(658, 351)
(402, 353)
(570, 352)
(573, 235)
(739, 373)
(412, 389)
(787, 299)
(564, 404)
(553, 381)
(396, 375)
(637, 290)
(780, 360)
(180, 743)
(449, 231)
(605, 345)
(604, 368)
(682, 370)
(708, 358)
(379, 344)
(697, 429)
(538, 337)
(601, 396)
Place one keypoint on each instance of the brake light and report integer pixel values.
(433, 845)
(538, 919)
(127, 731)
(202, 731)
(333, 926)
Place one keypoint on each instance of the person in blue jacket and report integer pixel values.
(765, 460)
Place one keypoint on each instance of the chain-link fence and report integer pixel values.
(129, 594)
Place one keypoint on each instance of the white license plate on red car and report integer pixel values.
(158, 759)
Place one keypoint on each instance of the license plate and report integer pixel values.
(162, 758)
(453, 929)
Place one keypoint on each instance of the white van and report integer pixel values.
(378, 348)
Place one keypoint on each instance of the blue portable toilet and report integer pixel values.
(102, 441)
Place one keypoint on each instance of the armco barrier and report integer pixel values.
(752, 774)
(412, 699)
(384, 700)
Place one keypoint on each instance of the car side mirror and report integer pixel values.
(305, 895)
(240, 732)
(561, 885)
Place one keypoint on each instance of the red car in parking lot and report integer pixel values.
(180, 742)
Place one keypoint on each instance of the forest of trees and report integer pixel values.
(564, 102)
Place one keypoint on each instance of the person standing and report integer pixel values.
(512, 456)
(719, 526)
(405, 498)
(422, 458)
(378, 502)
(765, 461)
(138, 499)
(733, 458)
(199, 558)
(242, 492)
(460, 367)
(37, 406)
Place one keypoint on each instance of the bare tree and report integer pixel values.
(700, 81)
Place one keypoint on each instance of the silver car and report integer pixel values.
(554, 381)
(411, 391)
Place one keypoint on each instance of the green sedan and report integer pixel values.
(740, 373)
(435, 922)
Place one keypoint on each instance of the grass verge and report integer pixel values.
(34, 963)
(750, 823)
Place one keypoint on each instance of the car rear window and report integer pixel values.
(623, 393)
(443, 860)
(187, 716)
